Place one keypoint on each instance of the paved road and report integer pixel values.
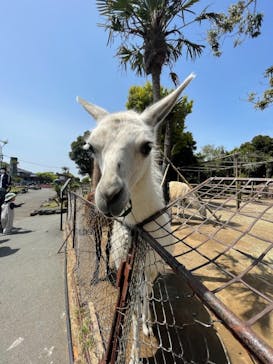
(32, 307)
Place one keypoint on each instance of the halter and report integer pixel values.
(128, 210)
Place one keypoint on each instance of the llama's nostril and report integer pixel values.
(115, 197)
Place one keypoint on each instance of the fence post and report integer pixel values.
(238, 184)
(64, 187)
(74, 220)
(123, 283)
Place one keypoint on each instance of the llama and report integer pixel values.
(123, 144)
(181, 192)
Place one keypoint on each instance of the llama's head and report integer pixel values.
(122, 144)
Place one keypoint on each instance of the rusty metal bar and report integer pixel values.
(123, 282)
(260, 349)
(74, 220)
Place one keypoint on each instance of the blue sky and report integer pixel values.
(52, 51)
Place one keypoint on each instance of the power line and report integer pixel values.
(36, 164)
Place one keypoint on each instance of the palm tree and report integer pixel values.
(153, 25)
(65, 170)
(157, 29)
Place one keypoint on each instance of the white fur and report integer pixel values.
(129, 175)
(182, 192)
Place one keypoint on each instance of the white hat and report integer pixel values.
(9, 196)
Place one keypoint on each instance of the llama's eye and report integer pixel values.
(89, 148)
(92, 149)
(145, 148)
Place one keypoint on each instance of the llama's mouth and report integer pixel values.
(127, 209)
(113, 200)
(124, 212)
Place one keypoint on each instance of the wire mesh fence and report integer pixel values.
(146, 305)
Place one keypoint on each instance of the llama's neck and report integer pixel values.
(146, 198)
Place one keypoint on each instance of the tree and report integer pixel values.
(65, 171)
(257, 156)
(152, 32)
(266, 99)
(81, 157)
(214, 160)
(46, 177)
(141, 96)
(157, 29)
(158, 41)
(263, 144)
(152, 35)
(241, 21)
(210, 152)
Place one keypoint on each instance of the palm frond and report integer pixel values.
(108, 7)
(211, 16)
(133, 56)
(194, 50)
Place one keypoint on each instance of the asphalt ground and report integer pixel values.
(32, 303)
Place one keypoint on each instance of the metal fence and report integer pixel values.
(218, 281)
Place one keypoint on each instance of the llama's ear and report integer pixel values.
(94, 110)
(157, 112)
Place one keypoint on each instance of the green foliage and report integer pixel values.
(253, 158)
(81, 157)
(241, 20)
(257, 156)
(182, 143)
(260, 145)
(266, 99)
(85, 180)
(140, 97)
(152, 32)
(210, 152)
(263, 144)
(46, 177)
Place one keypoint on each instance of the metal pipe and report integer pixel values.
(67, 311)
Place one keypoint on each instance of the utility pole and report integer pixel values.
(2, 144)
(238, 184)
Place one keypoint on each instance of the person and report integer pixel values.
(5, 180)
(7, 214)
(4, 188)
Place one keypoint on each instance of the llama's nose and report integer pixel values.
(111, 199)
(112, 195)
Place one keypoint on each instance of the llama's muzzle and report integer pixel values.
(113, 200)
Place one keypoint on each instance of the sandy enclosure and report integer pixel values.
(233, 257)
(231, 252)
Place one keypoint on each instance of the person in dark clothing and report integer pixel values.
(5, 183)
(4, 178)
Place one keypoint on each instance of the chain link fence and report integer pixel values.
(212, 298)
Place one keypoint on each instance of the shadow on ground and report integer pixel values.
(6, 250)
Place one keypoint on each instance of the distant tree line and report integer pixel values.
(250, 159)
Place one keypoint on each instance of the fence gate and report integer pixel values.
(212, 299)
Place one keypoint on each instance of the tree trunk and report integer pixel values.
(156, 96)
(167, 153)
(95, 175)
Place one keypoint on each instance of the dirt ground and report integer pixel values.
(233, 257)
